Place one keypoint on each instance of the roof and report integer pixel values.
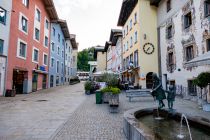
(203, 59)
(126, 9)
(114, 35)
(99, 48)
(50, 7)
(64, 28)
(107, 44)
(155, 2)
(73, 41)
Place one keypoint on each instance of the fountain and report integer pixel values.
(181, 136)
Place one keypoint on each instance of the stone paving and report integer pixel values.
(94, 122)
(69, 114)
(37, 116)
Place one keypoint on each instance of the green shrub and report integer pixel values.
(111, 90)
(110, 79)
(88, 85)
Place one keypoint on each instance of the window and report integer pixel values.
(45, 60)
(57, 69)
(169, 32)
(187, 20)
(131, 41)
(131, 58)
(3, 16)
(127, 46)
(52, 62)
(136, 37)
(124, 48)
(25, 3)
(24, 24)
(53, 46)
(37, 34)
(168, 5)
(127, 29)
(62, 68)
(58, 50)
(74, 58)
(62, 53)
(135, 18)
(59, 37)
(131, 24)
(136, 63)
(35, 55)
(38, 15)
(46, 41)
(46, 24)
(171, 58)
(53, 31)
(189, 53)
(66, 57)
(1, 46)
(208, 44)
(22, 50)
(207, 8)
(191, 88)
(63, 42)
(124, 32)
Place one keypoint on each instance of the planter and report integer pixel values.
(10, 93)
(114, 96)
(106, 97)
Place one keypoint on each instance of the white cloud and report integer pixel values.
(90, 20)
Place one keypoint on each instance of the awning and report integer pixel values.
(40, 71)
(201, 60)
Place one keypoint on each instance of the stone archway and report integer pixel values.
(149, 81)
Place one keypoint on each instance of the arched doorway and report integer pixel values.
(149, 81)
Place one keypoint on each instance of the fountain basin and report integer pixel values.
(139, 124)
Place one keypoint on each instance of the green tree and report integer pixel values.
(202, 80)
(83, 58)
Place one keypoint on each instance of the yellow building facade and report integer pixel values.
(140, 49)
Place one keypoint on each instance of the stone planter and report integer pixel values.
(114, 96)
(105, 97)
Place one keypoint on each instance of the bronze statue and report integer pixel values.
(171, 96)
(157, 90)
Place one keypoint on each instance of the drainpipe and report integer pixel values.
(159, 54)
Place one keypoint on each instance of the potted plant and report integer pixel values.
(88, 87)
(110, 93)
(203, 81)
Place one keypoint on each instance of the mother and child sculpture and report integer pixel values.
(159, 93)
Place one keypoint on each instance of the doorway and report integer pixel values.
(149, 80)
(44, 82)
(34, 82)
(18, 79)
(51, 80)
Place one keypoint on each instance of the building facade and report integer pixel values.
(5, 16)
(59, 34)
(184, 39)
(68, 55)
(74, 55)
(27, 68)
(100, 57)
(138, 20)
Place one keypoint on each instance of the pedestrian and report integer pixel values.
(171, 96)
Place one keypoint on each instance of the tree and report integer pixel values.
(202, 80)
(83, 58)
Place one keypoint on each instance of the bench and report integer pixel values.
(113, 104)
(137, 93)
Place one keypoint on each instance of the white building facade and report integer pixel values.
(5, 17)
(184, 36)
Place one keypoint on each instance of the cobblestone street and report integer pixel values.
(65, 113)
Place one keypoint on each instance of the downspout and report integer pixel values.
(159, 54)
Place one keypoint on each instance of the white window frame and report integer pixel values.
(47, 41)
(18, 48)
(46, 20)
(20, 23)
(35, 34)
(34, 48)
(51, 62)
(36, 8)
(43, 59)
(24, 2)
(136, 37)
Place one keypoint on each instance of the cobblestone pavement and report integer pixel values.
(94, 122)
(37, 116)
(69, 114)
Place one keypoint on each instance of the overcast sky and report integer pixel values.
(90, 20)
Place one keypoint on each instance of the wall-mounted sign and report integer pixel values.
(148, 48)
(41, 68)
